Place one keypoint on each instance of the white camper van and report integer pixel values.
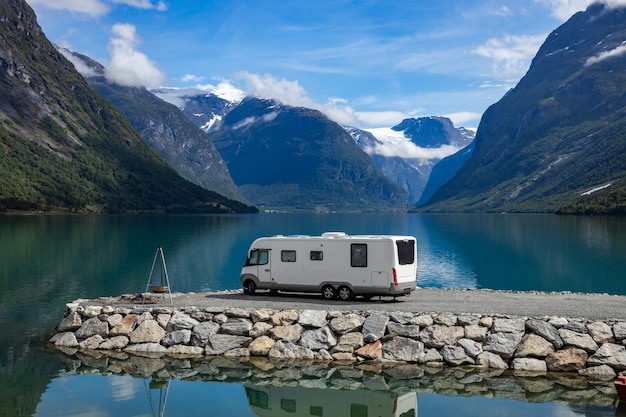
(333, 264)
(284, 401)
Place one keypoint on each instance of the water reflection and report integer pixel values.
(268, 388)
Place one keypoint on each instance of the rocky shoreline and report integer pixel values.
(537, 345)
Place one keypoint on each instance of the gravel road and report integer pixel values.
(422, 300)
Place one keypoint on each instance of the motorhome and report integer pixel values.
(334, 264)
(272, 401)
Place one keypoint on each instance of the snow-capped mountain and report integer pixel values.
(407, 152)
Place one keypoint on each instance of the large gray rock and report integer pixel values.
(570, 359)
(476, 332)
(287, 332)
(534, 346)
(177, 337)
(545, 330)
(180, 321)
(579, 340)
(288, 350)
(317, 339)
(609, 354)
(313, 318)
(115, 343)
(91, 342)
(261, 346)
(456, 356)
(347, 323)
(237, 326)
(438, 336)
(71, 322)
(220, 343)
(602, 372)
(471, 347)
(503, 344)
(148, 331)
(92, 327)
(260, 328)
(374, 327)
(124, 327)
(501, 325)
(619, 330)
(529, 365)
(491, 360)
(600, 332)
(405, 330)
(66, 339)
(201, 333)
(184, 350)
(403, 349)
(146, 348)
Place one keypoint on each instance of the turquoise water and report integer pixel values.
(47, 261)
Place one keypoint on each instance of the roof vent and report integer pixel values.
(333, 234)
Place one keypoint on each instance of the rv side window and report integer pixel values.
(288, 255)
(358, 410)
(317, 255)
(288, 405)
(406, 251)
(358, 255)
(316, 411)
(253, 259)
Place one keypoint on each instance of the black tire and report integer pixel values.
(249, 287)
(345, 293)
(328, 292)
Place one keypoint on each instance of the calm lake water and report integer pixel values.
(47, 261)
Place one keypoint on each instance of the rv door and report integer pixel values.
(264, 266)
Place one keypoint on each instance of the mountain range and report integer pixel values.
(554, 143)
(65, 148)
(557, 141)
(294, 158)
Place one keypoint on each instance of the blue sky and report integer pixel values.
(364, 63)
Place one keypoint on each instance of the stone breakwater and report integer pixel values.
(538, 345)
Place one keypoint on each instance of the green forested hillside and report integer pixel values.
(64, 148)
(560, 132)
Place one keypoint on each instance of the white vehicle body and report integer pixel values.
(333, 264)
(272, 401)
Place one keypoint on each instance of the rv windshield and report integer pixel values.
(406, 251)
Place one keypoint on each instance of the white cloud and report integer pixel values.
(511, 55)
(92, 8)
(395, 144)
(292, 93)
(564, 9)
(620, 50)
(80, 65)
(128, 66)
(143, 4)
(96, 8)
(459, 118)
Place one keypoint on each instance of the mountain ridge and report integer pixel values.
(560, 131)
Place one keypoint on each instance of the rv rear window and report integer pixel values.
(358, 255)
(406, 251)
(288, 255)
(317, 255)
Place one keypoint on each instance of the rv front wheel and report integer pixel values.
(328, 292)
(345, 294)
(249, 288)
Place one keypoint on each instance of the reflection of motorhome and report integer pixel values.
(333, 264)
(269, 401)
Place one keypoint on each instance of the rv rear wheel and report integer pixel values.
(249, 287)
(345, 293)
(328, 292)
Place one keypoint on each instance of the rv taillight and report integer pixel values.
(395, 277)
